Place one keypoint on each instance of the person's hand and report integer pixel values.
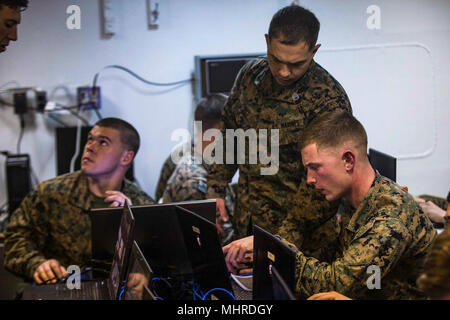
(433, 212)
(136, 283)
(332, 295)
(238, 254)
(419, 200)
(220, 207)
(49, 270)
(117, 199)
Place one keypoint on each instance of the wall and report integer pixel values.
(399, 92)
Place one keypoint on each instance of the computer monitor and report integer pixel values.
(205, 255)
(217, 73)
(384, 163)
(18, 179)
(269, 252)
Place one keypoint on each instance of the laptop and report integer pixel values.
(160, 247)
(270, 252)
(138, 278)
(209, 271)
(384, 163)
(281, 290)
(107, 289)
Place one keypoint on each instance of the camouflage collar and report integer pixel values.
(360, 217)
(80, 195)
(265, 83)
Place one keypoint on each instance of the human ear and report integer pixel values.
(349, 160)
(127, 157)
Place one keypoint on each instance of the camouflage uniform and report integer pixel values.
(258, 102)
(166, 171)
(440, 202)
(188, 182)
(52, 223)
(387, 230)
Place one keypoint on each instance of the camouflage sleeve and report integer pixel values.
(166, 171)
(25, 234)
(380, 243)
(440, 202)
(137, 195)
(186, 183)
(220, 175)
(309, 212)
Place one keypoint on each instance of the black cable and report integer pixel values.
(57, 120)
(94, 83)
(22, 130)
(98, 114)
(3, 102)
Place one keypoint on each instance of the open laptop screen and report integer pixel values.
(138, 276)
(205, 255)
(105, 225)
(122, 251)
(281, 290)
(269, 251)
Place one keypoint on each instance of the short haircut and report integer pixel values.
(14, 4)
(293, 24)
(209, 110)
(128, 134)
(435, 280)
(334, 129)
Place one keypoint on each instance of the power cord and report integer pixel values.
(22, 130)
(94, 83)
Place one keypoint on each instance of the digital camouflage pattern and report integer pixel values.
(440, 202)
(188, 182)
(52, 222)
(258, 102)
(166, 171)
(388, 230)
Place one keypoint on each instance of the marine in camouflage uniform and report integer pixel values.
(166, 171)
(52, 222)
(188, 182)
(257, 101)
(388, 230)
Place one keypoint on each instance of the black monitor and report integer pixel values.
(269, 252)
(18, 179)
(157, 233)
(217, 73)
(384, 163)
(210, 275)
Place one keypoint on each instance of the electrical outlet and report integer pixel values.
(88, 97)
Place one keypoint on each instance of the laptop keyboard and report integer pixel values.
(88, 291)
